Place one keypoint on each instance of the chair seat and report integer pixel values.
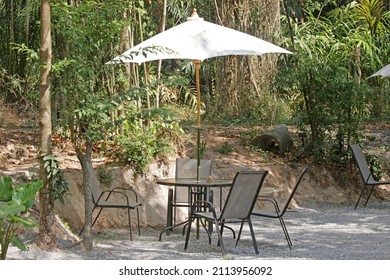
(265, 213)
(206, 215)
(371, 181)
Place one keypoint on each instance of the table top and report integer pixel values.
(181, 182)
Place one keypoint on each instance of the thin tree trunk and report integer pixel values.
(47, 238)
(27, 22)
(88, 172)
(144, 64)
(289, 25)
(11, 37)
(162, 29)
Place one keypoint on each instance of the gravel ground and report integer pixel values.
(318, 232)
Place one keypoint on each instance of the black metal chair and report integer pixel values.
(365, 172)
(237, 208)
(105, 199)
(278, 212)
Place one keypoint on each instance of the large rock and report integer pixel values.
(276, 140)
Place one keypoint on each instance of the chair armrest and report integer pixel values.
(129, 190)
(115, 190)
(111, 192)
(203, 202)
(269, 199)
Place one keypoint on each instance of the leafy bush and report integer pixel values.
(375, 165)
(140, 144)
(14, 202)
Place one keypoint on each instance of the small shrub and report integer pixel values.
(105, 176)
(225, 148)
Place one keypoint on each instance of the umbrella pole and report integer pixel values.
(197, 66)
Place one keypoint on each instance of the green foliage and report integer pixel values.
(139, 144)
(55, 175)
(324, 81)
(225, 148)
(328, 102)
(375, 165)
(19, 44)
(105, 176)
(14, 202)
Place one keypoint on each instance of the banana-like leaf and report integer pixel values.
(5, 189)
(8, 209)
(24, 193)
(15, 240)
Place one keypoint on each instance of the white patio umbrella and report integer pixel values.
(384, 72)
(197, 40)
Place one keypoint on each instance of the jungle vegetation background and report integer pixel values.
(53, 62)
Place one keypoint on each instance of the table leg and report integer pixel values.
(210, 198)
(169, 210)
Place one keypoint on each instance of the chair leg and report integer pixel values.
(219, 233)
(369, 195)
(128, 215)
(285, 232)
(206, 229)
(253, 236)
(139, 229)
(97, 216)
(360, 195)
(81, 231)
(222, 226)
(239, 233)
(190, 220)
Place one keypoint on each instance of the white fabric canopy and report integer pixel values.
(197, 39)
(384, 72)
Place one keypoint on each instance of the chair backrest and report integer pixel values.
(361, 162)
(297, 183)
(243, 194)
(186, 168)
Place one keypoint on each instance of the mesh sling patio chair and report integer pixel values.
(186, 168)
(279, 212)
(105, 199)
(366, 174)
(237, 208)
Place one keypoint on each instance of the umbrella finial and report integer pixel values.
(194, 15)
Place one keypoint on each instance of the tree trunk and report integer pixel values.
(241, 80)
(47, 238)
(88, 173)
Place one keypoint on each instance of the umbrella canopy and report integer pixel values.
(384, 72)
(197, 40)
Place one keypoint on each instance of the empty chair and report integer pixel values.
(185, 169)
(237, 208)
(105, 199)
(278, 212)
(367, 176)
